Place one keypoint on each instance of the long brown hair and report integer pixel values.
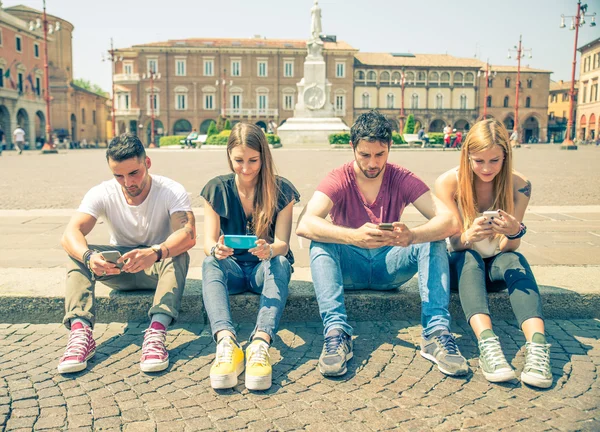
(484, 135)
(265, 195)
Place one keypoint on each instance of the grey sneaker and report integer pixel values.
(337, 350)
(441, 349)
(493, 364)
(537, 371)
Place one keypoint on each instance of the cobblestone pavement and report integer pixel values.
(35, 181)
(388, 385)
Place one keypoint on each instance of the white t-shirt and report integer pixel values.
(146, 224)
(19, 134)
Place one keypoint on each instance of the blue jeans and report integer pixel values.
(270, 279)
(336, 267)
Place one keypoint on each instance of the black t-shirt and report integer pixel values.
(222, 195)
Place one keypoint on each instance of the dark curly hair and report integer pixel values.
(371, 126)
(125, 146)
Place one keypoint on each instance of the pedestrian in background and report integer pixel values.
(19, 136)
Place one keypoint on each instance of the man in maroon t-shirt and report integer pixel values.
(366, 247)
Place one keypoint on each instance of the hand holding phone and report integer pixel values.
(386, 226)
(112, 257)
(491, 214)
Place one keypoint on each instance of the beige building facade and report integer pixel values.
(199, 80)
(588, 102)
(75, 113)
(21, 78)
(558, 110)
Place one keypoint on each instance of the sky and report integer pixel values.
(464, 28)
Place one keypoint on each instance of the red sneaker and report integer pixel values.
(80, 348)
(155, 357)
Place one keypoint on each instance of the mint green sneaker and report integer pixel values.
(493, 364)
(537, 371)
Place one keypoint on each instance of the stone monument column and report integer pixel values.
(314, 115)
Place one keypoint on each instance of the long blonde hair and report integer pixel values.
(265, 195)
(484, 135)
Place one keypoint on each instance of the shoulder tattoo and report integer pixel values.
(526, 190)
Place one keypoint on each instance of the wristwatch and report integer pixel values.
(213, 251)
(158, 250)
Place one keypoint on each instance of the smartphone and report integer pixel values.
(240, 241)
(491, 214)
(386, 226)
(112, 257)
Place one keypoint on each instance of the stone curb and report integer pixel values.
(21, 305)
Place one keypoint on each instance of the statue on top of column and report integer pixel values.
(315, 27)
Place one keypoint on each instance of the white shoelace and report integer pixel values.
(259, 354)
(154, 342)
(224, 351)
(78, 343)
(492, 352)
(538, 357)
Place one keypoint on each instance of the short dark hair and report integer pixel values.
(371, 126)
(125, 146)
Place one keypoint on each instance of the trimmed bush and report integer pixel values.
(219, 139)
(227, 125)
(397, 138)
(437, 137)
(273, 139)
(171, 140)
(409, 126)
(212, 129)
(339, 138)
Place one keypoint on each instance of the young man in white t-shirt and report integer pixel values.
(19, 136)
(151, 224)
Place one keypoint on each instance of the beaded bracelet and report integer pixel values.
(521, 233)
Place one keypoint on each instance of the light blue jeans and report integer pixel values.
(270, 279)
(337, 267)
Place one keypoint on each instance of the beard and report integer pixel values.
(371, 175)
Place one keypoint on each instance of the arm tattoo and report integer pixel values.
(526, 190)
(186, 222)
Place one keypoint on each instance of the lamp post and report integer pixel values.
(48, 28)
(152, 75)
(223, 82)
(577, 21)
(520, 53)
(488, 72)
(402, 115)
(113, 58)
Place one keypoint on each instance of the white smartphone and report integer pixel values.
(491, 214)
(112, 257)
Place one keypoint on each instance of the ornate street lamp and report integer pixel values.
(223, 82)
(113, 58)
(519, 52)
(402, 115)
(152, 75)
(488, 72)
(577, 21)
(48, 28)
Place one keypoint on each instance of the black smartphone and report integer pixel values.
(386, 226)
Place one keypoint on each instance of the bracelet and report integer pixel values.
(270, 254)
(467, 243)
(521, 233)
(213, 250)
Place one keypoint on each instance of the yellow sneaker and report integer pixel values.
(228, 364)
(258, 366)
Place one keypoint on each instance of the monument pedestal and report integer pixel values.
(305, 131)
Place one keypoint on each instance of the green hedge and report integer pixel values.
(171, 140)
(437, 137)
(344, 138)
(273, 139)
(219, 139)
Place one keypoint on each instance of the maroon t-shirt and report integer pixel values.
(399, 188)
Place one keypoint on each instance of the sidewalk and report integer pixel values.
(562, 245)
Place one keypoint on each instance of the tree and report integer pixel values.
(220, 123)
(227, 125)
(87, 85)
(212, 129)
(409, 126)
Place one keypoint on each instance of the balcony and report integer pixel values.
(131, 112)
(340, 112)
(156, 112)
(251, 112)
(127, 78)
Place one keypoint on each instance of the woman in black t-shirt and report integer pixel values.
(251, 200)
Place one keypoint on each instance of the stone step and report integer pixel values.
(37, 296)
